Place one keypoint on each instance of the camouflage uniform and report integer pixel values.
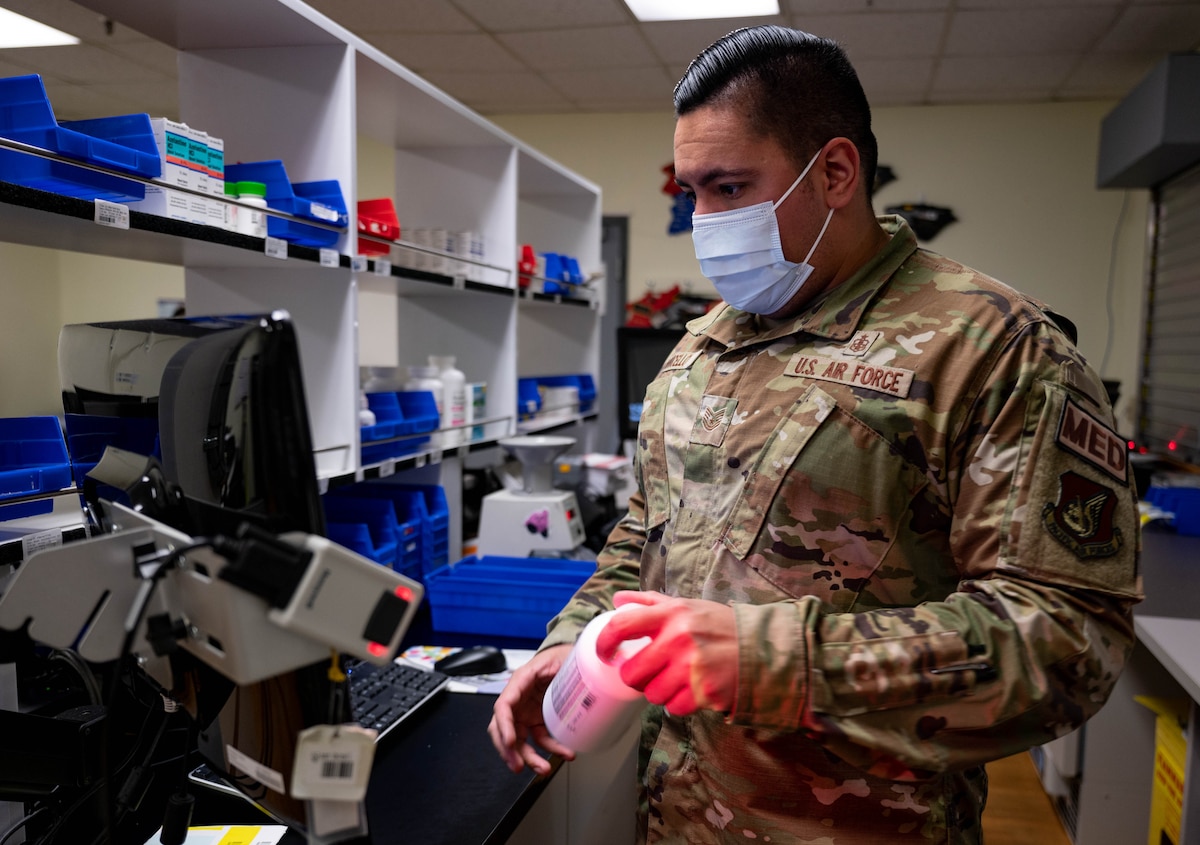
(912, 496)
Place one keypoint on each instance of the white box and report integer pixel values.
(163, 202)
(216, 165)
(173, 140)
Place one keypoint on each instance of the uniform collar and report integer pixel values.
(835, 316)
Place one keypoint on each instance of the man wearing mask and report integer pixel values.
(884, 530)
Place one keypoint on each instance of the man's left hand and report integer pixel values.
(692, 659)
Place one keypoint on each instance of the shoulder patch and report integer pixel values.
(1082, 518)
(680, 361)
(1084, 436)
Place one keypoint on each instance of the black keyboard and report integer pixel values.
(383, 696)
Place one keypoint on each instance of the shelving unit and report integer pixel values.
(278, 80)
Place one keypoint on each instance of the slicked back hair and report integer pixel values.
(796, 88)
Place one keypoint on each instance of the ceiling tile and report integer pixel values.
(477, 87)
(1031, 31)
(1170, 28)
(1012, 5)
(892, 35)
(967, 98)
(885, 77)
(434, 52)
(678, 42)
(365, 16)
(987, 74)
(1109, 75)
(519, 15)
(823, 7)
(645, 83)
(595, 47)
(82, 63)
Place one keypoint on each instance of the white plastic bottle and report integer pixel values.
(455, 401)
(250, 221)
(587, 706)
(426, 378)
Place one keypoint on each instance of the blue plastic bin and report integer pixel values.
(413, 526)
(420, 411)
(529, 399)
(376, 515)
(124, 142)
(320, 200)
(584, 382)
(502, 596)
(33, 456)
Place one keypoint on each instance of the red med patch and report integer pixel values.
(1082, 518)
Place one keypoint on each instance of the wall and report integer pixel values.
(42, 290)
(1020, 179)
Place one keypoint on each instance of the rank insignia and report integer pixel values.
(1082, 518)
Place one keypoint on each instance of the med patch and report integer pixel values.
(1084, 436)
(1082, 518)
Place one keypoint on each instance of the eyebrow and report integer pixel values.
(715, 174)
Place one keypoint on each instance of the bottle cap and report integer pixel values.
(252, 189)
(422, 371)
(442, 362)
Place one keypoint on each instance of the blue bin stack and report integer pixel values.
(421, 521)
(124, 143)
(320, 200)
(403, 415)
(503, 596)
(33, 457)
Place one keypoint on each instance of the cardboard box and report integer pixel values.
(1170, 764)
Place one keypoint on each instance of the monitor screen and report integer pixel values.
(640, 355)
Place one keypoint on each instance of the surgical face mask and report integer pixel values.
(740, 252)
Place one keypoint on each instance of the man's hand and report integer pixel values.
(692, 660)
(517, 714)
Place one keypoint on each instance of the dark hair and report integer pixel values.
(797, 88)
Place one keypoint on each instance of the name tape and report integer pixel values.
(890, 380)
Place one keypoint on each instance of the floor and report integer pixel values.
(1018, 810)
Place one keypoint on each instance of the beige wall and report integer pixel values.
(1020, 179)
(41, 290)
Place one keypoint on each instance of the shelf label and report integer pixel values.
(383, 267)
(463, 451)
(330, 257)
(324, 212)
(419, 460)
(435, 457)
(358, 264)
(322, 486)
(276, 248)
(387, 468)
(112, 214)
(32, 543)
(460, 282)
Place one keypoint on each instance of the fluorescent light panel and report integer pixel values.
(20, 31)
(686, 10)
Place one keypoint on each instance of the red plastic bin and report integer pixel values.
(378, 218)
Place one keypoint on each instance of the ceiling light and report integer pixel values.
(19, 31)
(684, 10)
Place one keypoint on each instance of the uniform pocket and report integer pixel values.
(824, 503)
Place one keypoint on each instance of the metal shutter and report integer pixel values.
(1169, 415)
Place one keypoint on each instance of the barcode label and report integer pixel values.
(383, 267)
(337, 769)
(330, 258)
(324, 212)
(112, 214)
(276, 248)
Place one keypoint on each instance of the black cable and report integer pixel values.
(21, 823)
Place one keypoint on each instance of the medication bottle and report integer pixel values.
(587, 706)
(426, 378)
(454, 399)
(252, 222)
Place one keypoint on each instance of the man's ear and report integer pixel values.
(842, 172)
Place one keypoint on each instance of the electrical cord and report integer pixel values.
(20, 823)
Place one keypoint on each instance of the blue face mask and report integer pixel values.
(740, 252)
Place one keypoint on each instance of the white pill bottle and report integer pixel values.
(587, 706)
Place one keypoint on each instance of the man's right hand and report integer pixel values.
(517, 714)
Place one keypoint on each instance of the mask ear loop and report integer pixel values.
(799, 179)
(820, 235)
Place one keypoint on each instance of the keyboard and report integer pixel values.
(381, 697)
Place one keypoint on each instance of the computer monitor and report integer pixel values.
(640, 355)
(220, 402)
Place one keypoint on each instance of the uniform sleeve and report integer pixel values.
(617, 568)
(1044, 534)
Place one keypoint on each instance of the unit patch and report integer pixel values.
(680, 360)
(891, 380)
(1082, 518)
(1083, 435)
(716, 413)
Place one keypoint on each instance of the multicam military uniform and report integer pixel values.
(914, 500)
